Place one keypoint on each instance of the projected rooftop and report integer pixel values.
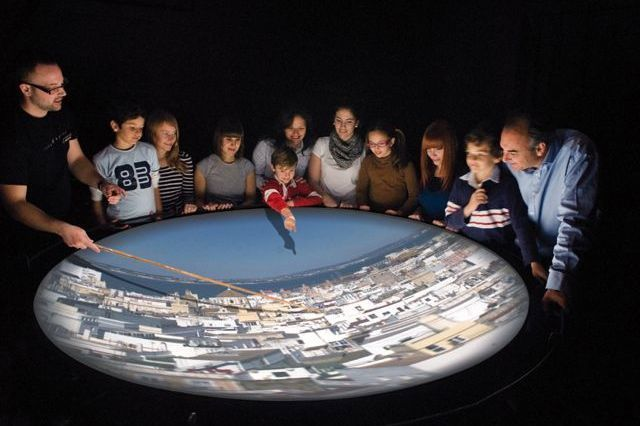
(352, 304)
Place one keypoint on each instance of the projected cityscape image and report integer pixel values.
(351, 304)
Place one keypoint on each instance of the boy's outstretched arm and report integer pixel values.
(289, 219)
(273, 199)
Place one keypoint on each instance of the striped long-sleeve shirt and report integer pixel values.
(176, 188)
(497, 223)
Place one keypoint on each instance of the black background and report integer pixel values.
(410, 62)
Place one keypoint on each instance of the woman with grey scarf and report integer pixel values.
(335, 160)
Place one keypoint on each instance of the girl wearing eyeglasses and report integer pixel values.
(176, 166)
(335, 161)
(387, 180)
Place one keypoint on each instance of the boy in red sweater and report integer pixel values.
(284, 190)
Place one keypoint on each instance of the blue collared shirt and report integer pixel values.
(560, 196)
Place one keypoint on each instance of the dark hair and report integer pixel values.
(479, 136)
(399, 148)
(26, 62)
(348, 106)
(284, 156)
(285, 119)
(535, 127)
(439, 134)
(228, 126)
(124, 110)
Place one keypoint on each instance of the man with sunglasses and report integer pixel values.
(35, 186)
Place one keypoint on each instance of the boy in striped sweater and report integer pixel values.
(485, 204)
(284, 190)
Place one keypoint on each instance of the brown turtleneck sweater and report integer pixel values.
(383, 186)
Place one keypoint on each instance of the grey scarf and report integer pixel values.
(345, 152)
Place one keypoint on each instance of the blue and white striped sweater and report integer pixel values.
(497, 223)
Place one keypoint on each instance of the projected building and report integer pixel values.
(410, 306)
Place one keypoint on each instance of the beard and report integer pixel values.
(54, 105)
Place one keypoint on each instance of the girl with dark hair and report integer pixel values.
(335, 161)
(387, 180)
(438, 169)
(226, 179)
(176, 166)
(292, 131)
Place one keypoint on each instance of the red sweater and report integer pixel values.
(298, 190)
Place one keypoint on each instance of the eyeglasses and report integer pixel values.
(378, 144)
(49, 91)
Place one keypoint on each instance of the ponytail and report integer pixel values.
(399, 148)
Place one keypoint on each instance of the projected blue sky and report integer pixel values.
(387, 303)
(239, 245)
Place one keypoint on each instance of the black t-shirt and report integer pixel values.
(37, 157)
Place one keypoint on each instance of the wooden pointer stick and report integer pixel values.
(193, 275)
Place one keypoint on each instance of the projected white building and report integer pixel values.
(419, 308)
